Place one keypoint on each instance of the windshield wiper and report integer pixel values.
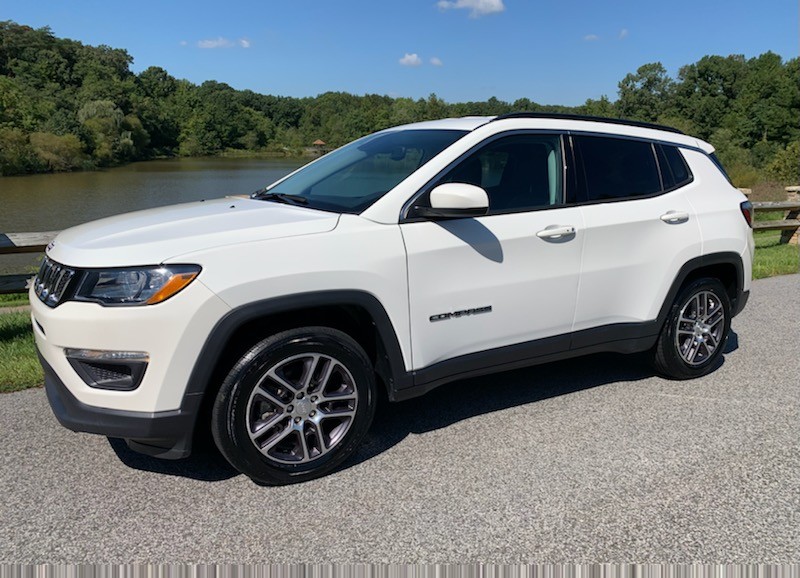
(284, 198)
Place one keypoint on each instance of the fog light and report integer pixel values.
(116, 370)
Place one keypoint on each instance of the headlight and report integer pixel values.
(135, 286)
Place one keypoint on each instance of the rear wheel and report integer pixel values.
(694, 335)
(295, 406)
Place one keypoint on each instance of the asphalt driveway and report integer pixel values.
(590, 460)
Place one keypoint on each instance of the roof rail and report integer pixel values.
(567, 116)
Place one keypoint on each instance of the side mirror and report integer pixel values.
(455, 201)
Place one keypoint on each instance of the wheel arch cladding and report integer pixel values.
(356, 313)
(727, 267)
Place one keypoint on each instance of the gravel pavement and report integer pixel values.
(589, 460)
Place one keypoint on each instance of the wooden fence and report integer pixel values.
(15, 243)
(788, 225)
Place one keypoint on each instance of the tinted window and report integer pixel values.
(618, 168)
(666, 172)
(518, 172)
(674, 169)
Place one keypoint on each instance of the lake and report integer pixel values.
(54, 202)
(57, 201)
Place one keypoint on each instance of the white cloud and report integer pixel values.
(623, 33)
(477, 8)
(184, 43)
(218, 42)
(410, 60)
(436, 61)
(222, 42)
(591, 37)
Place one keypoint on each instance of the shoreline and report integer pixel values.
(230, 154)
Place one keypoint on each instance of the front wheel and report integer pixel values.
(695, 332)
(295, 406)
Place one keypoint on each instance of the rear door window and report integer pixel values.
(617, 168)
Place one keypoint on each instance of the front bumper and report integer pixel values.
(164, 434)
(741, 301)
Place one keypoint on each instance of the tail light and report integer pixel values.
(747, 212)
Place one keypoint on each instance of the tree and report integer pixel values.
(766, 107)
(55, 87)
(786, 165)
(109, 139)
(706, 90)
(644, 95)
(602, 107)
(156, 83)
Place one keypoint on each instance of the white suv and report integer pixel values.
(412, 257)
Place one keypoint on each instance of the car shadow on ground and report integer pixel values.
(438, 409)
(205, 464)
(461, 400)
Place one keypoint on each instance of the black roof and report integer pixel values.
(565, 116)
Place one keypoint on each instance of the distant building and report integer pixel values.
(318, 148)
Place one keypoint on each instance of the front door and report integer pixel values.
(509, 277)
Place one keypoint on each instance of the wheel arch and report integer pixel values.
(357, 313)
(727, 267)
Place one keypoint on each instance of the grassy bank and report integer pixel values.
(19, 367)
(13, 300)
(772, 258)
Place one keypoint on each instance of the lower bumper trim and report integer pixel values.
(741, 302)
(166, 434)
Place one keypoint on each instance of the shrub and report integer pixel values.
(785, 166)
(57, 153)
(16, 155)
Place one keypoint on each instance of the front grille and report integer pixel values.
(52, 281)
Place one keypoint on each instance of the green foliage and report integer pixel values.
(645, 95)
(705, 91)
(16, 155)
(785, 165)
(602, 107)
(57, 153)
(65, 105)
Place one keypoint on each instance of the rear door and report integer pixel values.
(640, 228)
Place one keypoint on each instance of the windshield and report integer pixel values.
(352, 178)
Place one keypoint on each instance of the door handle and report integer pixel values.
(556, 232)
(675, 217)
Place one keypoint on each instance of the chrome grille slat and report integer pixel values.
(51, 282)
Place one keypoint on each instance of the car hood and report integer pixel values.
(156, 235)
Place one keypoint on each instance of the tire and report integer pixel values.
(295, 406)
(694, 334)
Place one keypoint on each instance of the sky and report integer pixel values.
(550, 51)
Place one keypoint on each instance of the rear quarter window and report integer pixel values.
(674, 170)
